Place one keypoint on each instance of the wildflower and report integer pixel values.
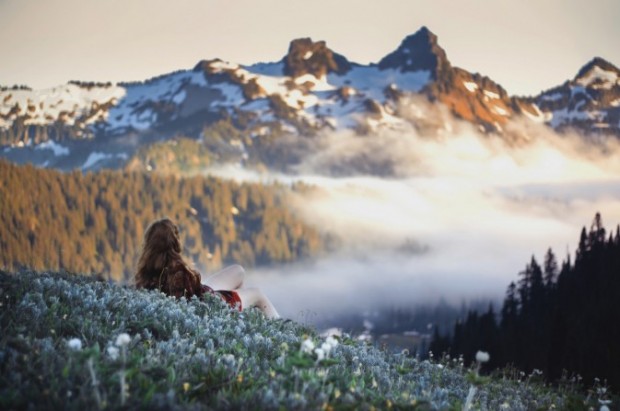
(186, 386)
(326, 348)
(307, 346)
(320, 354)
(122, 340)
(604, 408)
(113, 352)
(75, 344)
(482, 356)
(331, 341)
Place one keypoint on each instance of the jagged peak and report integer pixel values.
(418, 51)
(597, 62)
(308, 57)
(598, 73)
(214, 66)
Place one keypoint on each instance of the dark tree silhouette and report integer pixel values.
(556, 320)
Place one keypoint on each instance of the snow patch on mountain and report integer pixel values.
(552, 96)
(371, 81)
(56, 148)
(566, 116)
(96, 157)
(539, 117)
(131, 113)
(65, 103)
(491, 95)
(471, 86)
(599, 78)
(499, 110)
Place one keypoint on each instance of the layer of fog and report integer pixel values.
(456, 215)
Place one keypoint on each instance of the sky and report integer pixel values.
(525, 45)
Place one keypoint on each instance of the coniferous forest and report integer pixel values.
(94, 222)
(561, 320)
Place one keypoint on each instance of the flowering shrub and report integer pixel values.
(71, 342)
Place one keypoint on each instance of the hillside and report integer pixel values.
(94, 222)
(70, 342)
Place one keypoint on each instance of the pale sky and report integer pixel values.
(525, 45)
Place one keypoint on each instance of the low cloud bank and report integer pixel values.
(450, 213)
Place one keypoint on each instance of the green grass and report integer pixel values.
(202, 355)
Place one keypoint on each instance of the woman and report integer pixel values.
(161, 267)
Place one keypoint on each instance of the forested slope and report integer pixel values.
(94, 223)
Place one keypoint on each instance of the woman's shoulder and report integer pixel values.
(183, 281)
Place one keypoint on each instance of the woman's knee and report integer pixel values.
(253, 294)
(237, 268)
(238, 274)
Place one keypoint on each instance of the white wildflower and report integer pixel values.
(307, 346)
(331, 341)
(75, 344)
(482, 356)
(113, 352)
(604, 408)
(122, 340)
(326, 348)
(320, 354)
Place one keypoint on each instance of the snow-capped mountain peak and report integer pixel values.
(598, 73)
(309, 89)
(590, 102)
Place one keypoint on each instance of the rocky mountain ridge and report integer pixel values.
(312, 88)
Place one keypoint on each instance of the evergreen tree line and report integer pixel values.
(19, 131)
(95, 222)
(555, 319)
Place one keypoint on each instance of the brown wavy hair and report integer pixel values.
(161, 250)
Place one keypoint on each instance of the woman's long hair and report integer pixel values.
(161, 249)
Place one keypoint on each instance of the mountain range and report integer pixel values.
(238, 113)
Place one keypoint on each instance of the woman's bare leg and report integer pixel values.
(253, 297)
(230, 278)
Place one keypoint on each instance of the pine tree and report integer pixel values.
(550, 269)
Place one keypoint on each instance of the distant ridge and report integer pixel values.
(311, 89)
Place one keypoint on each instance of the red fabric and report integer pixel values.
(231, 298)
(228, 296)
